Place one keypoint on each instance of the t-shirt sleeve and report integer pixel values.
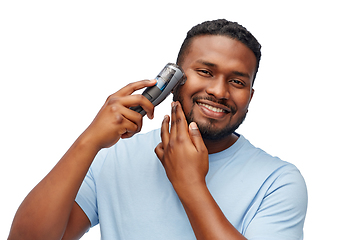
(281, 214)
(86, 199)
(87, 194)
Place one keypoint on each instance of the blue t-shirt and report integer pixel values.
(127, 191)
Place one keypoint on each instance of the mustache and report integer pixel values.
(212, 99)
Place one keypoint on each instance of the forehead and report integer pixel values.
(222, 51)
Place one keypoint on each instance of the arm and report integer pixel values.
(50, 210)
(185, 159)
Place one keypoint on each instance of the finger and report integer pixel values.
(181, 123)
(125, 113)
(173, 127)
(159, 150)
(138, 100)
(165, 130)
(127, 127)
(132, 87)
(127, 135)
(196, 138)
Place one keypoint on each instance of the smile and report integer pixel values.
(214, 109)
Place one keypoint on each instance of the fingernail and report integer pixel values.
(193, 126)
(173, 106)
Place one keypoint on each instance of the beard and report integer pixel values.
(207, 130)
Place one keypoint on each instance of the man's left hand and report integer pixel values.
(182, 151)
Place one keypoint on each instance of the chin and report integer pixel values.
(209, 132)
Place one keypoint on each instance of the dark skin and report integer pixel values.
(50, 211)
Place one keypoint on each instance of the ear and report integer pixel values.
(251, 96)
(252, 93)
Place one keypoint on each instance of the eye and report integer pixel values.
(237, 83)
(204, 73)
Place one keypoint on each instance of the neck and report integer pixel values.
(215, 146)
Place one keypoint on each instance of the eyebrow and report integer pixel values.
(209, 64)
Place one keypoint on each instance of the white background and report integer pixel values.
(59, 60)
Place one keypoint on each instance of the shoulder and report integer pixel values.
(285, 185)
(282, 194)
(277, 169)
(253, 158)
(275, 177)
(126, 150)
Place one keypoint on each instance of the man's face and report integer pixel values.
(218, 89)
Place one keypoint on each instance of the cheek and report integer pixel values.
(191, 87)
(242, 101)
(184, 98)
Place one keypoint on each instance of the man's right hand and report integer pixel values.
(115, 120)
(50, 210)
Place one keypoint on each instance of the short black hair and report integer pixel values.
(221, 27)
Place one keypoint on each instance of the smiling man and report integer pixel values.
(194, 178)
(220, 72)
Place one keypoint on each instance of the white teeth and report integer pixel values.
(214, 109)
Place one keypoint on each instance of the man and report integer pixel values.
(210, 182)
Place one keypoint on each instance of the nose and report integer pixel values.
(218, 88)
